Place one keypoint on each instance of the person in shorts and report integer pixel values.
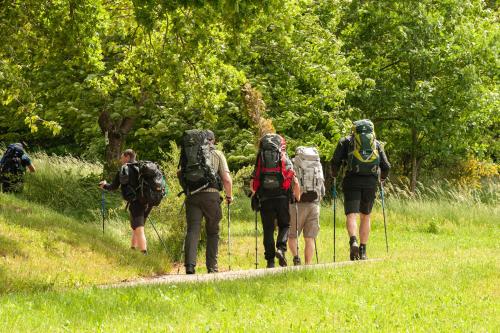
(359, 190)
(138, 211)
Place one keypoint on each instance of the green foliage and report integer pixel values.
(144, 71)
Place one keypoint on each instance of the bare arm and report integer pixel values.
(227, 182)
(31, 168)
(296, 189)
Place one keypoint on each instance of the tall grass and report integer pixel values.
(65, 184)
(487, 193)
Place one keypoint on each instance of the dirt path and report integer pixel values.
(230, 275)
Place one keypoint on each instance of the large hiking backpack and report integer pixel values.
(197, 172)
(307, 166)
(363, 156)
(143, 181)
(11, 161)
(271, 175)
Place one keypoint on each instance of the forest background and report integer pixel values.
(89, 77)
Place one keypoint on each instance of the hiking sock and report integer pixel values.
(352, 239)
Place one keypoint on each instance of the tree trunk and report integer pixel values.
(117, 131)
(414, 164)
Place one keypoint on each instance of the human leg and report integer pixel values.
(213, 214)
(193, 220)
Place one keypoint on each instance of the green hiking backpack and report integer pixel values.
(363, 156)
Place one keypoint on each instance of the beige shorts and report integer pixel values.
(308, 220)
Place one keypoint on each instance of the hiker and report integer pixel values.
(203, 173)
(365, 162)
(127, 178)
(309, 172)
(13, 166)
(272, 181)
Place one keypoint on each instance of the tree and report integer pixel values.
(424, 67)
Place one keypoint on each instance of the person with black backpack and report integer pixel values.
(309, 172)
(365, 162)
(143, 186)
(203, 173)
(273, 181)
(13, 166)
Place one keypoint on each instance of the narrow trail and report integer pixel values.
(230, 275)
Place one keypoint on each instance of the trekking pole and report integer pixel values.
(316, 248)
(383, 212)
(103, 209)
(157, 234)
(183, 240)
(334, 193)
(256, 258)
(229, 234)
(297, 226)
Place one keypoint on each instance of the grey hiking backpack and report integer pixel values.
(309, 172)
(197, 172)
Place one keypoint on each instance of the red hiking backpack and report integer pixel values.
(271, 177)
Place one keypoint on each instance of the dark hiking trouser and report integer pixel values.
(270, 211)
(11, 183)
(199, 205)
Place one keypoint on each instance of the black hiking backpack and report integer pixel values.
(11, 161)
(270, 169)
(196, 170)
(143, 181)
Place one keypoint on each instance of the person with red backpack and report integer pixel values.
(273, 181)
(13, 165)
(364, 161)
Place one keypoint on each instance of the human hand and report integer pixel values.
(229, 199)
(102, 183)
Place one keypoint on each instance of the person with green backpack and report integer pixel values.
(365, 162)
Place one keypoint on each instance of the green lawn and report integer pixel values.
(442, 274)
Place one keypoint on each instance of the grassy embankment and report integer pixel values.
(442, 274)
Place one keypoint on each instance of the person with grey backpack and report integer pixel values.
(304, 217)
(365, 162)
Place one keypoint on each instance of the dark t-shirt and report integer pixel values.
(352, 180)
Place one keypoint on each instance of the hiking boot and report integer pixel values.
(280, 254)
(362, 252)
(213, 270)
(354, 255)
(190, 269)
(296, 261)
(270, 263)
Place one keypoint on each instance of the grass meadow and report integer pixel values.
(442, 272)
